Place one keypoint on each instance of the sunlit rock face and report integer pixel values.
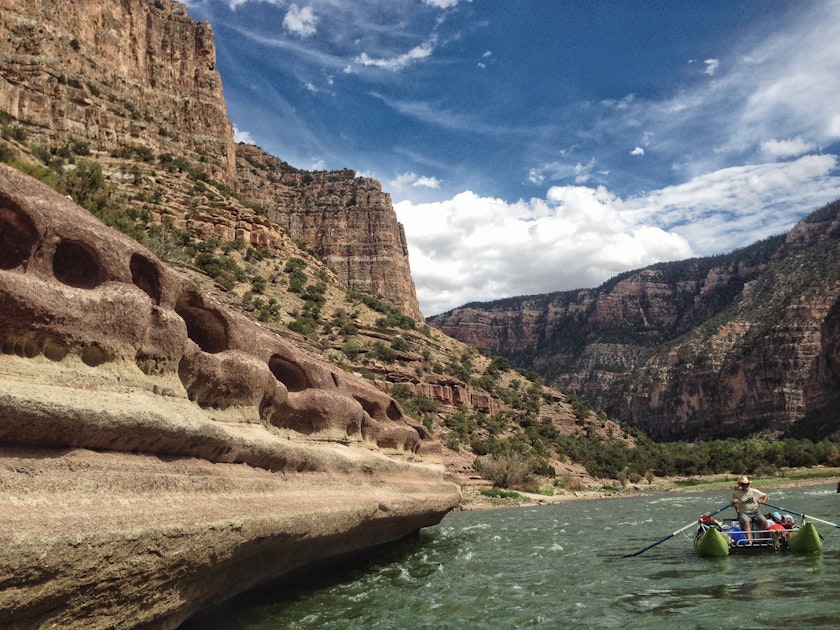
(160, 452)
(118, 76)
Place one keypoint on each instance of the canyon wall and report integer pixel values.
(722, 346)
(138, 79)
(117, 76)
(162, 453)
(348, 220)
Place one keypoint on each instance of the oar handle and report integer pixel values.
(669, 536)
(813, 518)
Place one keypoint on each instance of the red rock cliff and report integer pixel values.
(116, 75)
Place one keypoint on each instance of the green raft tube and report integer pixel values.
(719, 539)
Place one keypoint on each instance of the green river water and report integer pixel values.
(560, 566)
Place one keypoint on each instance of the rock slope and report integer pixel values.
(161, 453)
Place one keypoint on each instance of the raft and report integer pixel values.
(721, 539)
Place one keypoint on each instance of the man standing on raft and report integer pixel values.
(746, 501)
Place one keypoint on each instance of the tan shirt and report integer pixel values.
(748, 499)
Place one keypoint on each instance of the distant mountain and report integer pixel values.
(739, 344)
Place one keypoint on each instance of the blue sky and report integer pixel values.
(532, 146)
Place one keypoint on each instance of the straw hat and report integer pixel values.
(743, 479)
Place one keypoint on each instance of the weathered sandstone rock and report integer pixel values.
(160, 453)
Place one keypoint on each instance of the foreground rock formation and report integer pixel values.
(160, 453)
(712, 347)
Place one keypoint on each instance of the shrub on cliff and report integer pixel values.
(505, 471)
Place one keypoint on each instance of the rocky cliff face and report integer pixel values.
(116, 75)
(729, 345)
(160, 452)
(347, 220)
(138, 78)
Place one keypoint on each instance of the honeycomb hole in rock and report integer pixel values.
(54, 350)
(393, 412)
(17, 234)
(370, 408)
(94, 355)
(288, 373)
(77, 265)
(205, 326)
(144, 274)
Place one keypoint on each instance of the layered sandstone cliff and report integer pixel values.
(348, 220)
(728, 345)
(116, 75)
(160, 452)
(138, 79)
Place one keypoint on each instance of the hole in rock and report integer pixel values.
(205, 326)
(93, 355)
(17, 234)
(77, 265)
(144, 274)
(370, 408)
(288, 373)
(393, 411)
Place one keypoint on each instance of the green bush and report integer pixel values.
(507, 470)
(384, 353)
(351, 348)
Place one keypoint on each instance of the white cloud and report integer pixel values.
(427, 182)
(411, 179)
(786, 148)
(242, 136)
(637, 151)
(474, 248)
(441, 4)
(479, 248)
(711, 66)
(400, 61)
(584, 171)
(300, 21)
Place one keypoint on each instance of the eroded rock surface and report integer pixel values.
(159, 452)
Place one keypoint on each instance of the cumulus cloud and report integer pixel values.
(240, 135)
(476, 248)
(441, 4)
(479, 248)
(408, 179)
(300, 20)
(427, 182)
(637, 151)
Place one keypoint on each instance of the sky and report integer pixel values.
(532, 146)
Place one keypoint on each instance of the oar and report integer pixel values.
(813, 518)
(669, 536)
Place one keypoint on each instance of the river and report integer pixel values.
(561, 566)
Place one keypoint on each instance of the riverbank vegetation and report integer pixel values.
(617, 459)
